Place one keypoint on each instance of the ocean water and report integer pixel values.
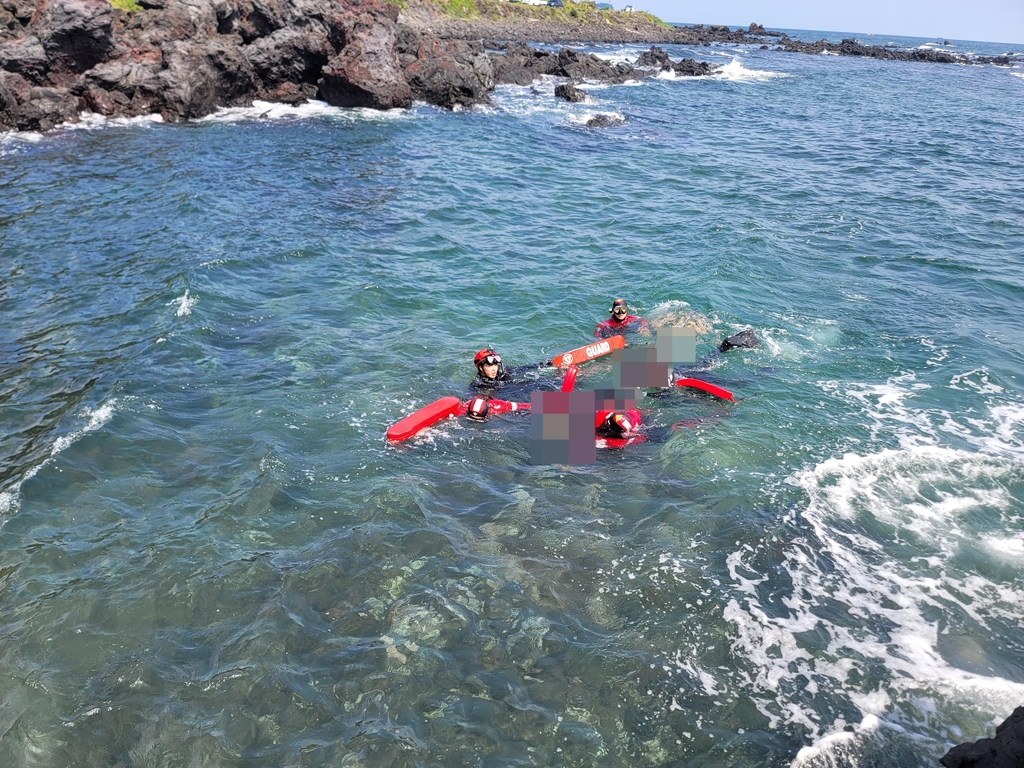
(210, 556)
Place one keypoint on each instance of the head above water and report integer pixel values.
(477, 410)
(619, 308)
(488, 363)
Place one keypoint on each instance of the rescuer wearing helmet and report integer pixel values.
(618, 424)
(488, 365)
(619, 321)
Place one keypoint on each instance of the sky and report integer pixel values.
(995, 21)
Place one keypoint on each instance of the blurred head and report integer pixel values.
(619, 309)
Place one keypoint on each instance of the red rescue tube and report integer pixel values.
(425, 417)
(570, 378)
(711, 389)
(590, 351)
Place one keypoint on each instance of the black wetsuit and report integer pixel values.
(515, 383)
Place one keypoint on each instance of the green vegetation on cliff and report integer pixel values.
(583, 12)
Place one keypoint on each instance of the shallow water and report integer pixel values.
(210, 556)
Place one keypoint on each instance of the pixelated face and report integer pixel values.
(489, 370)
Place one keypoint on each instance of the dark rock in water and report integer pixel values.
(742, 340)
(1006, 750)
(756, 29)
(605, 121)
(693, 68)
(448, 73)
(522, 65)
(366, 72)
(946, 42)
(570, 92)
(656, 57)
(587, 66)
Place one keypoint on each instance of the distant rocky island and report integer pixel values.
(184, 59)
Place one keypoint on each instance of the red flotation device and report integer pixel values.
(590, 351)
(711, 389)
(429, 415)
(425, 417)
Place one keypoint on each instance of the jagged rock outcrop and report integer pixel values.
(657, 59)
(185, 58)
(571, 93)
(366, 71)
(1006, 750)
(448, 73)
(605, 121)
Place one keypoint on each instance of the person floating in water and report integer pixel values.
(516, 381)
(620, 321)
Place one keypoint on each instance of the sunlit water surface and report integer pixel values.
(210, 556)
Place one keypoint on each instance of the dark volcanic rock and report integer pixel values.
(694, 68)
(570, 92)
(448, 73)
(76, 34)
(656, 57)
(522, 65)
(605, 121)
(587, 66)
(25, 56)
(1006, 750)
(289, 56)
(366, 72)
(185, 58)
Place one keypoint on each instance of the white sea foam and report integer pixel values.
(581, 118)
(13, 141)
(892, 409)
(837, 743)
(10, 498)
(827, 52)
(273, 111)
(1018, 74)
(735, 72)
(90, 121)
(184, 304)
(864, 511)
(627, 55)
(97, 418)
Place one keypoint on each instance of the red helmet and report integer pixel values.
(477, 410)
(615, 423)
(486, 355)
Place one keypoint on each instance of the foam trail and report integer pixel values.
(10, 499)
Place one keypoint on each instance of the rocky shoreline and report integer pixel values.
(183, 59)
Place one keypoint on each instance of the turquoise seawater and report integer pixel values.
(210, 556)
